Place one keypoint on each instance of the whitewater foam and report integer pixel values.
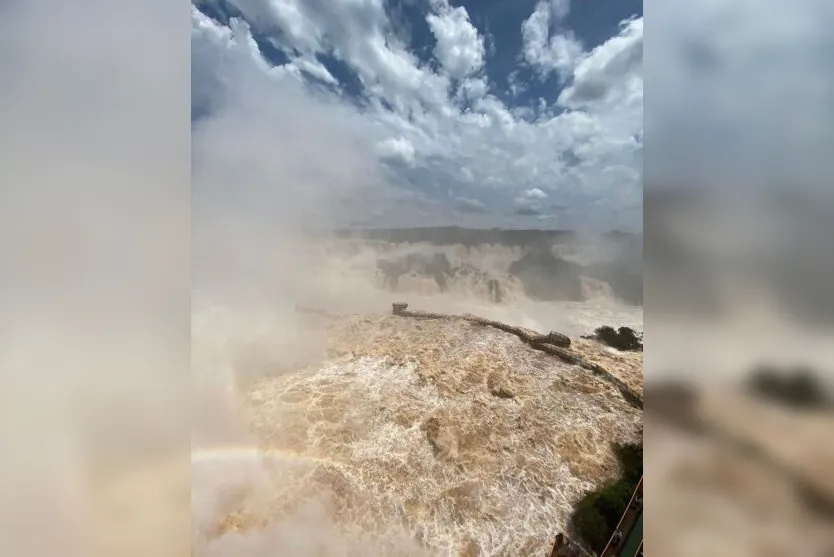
(361, 433)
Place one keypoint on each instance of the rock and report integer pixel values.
(557, 339)
(798, 387)
(623, 268)
(494, 290)
(499, 388)
(436, 266)
(547, 277)
(675, 402)
(501, 392)
(624, 338)
(443, 442)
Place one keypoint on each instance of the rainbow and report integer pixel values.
(251, 454)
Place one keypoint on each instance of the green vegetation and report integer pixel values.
(598, 512)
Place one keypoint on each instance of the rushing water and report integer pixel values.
(368, 434)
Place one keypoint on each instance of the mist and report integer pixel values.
(278, 171)
(738, 254)
(94, 224)
(99, 260)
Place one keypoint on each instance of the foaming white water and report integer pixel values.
(346, 278)
(378, 450)
(363, 434)
(571, 318)
(244, 481)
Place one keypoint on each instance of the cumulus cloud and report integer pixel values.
(535, 193)
(314, 68)
(546, 52)
(559, 8)
(613, 68)
(526, 210)
(468, 205)
(529, 202)
(460, 49)
(413, 126)
(271, 159)
(398, 148)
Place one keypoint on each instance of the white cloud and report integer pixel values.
(469, 205)
(460, 49)
(559, 8)
(414, 116)
(473, 89)
(271, 150)
(613, 68)
(515, 85)
(544, 52)
(302, 31)
(314, 68)
(398, 148)
(529, 202)
(731, 83)
(535, 193)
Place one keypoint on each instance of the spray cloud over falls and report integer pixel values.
(323, 427)
(361, 434)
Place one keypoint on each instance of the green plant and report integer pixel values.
(590, 524)
(631, 460)
(597, 514)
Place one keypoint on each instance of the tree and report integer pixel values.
(597, 514)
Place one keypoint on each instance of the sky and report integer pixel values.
(420, 112)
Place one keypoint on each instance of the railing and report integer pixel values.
(557, 546)
(622, 518)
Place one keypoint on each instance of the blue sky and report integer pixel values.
(480, 113)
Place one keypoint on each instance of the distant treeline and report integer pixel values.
(470, 237)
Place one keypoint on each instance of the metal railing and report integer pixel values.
(622, 518)
(556, 546)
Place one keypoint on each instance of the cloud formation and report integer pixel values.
(530, 202)
(547, 52)
(612, 72)
(460, 48)
(428, 120)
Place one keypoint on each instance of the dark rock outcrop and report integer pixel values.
(622, 267)
(675, 403)
(547, 277)
(798, 387)
(625, 339)
(436, 266)
(494, 290)
(498, 388)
